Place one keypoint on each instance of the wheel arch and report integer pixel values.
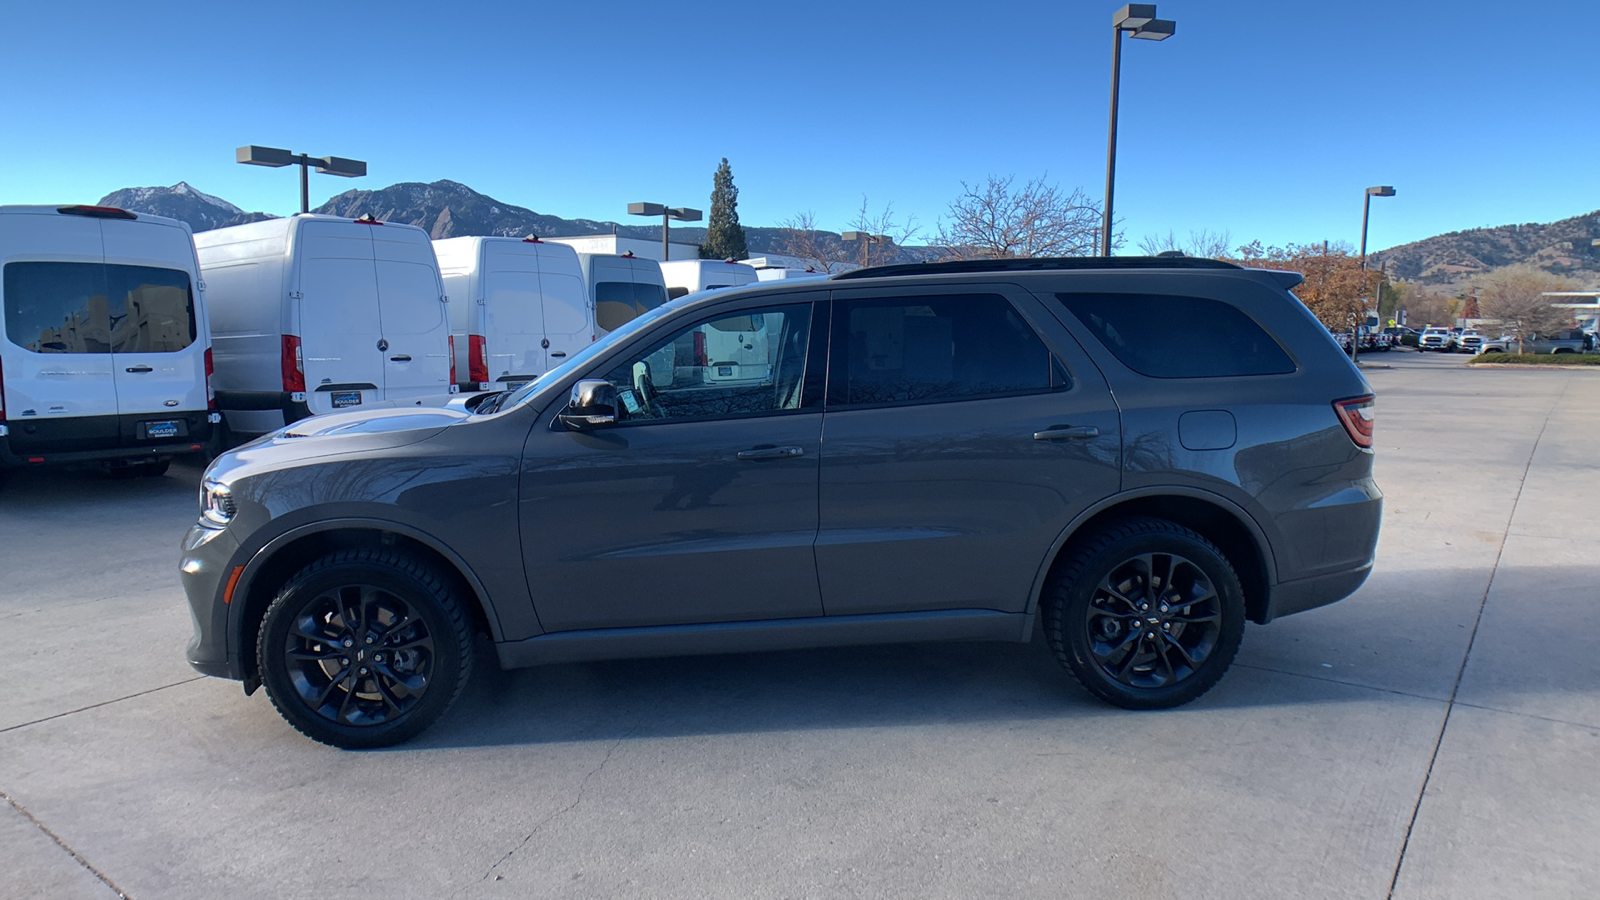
(1219, 520)
(288, 553)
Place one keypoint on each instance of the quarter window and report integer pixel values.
(1165, 336)
(65, 307)
(929, 349)
(749, 363)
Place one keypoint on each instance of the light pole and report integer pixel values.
(1382, 190)
(1140, 19)
(867, 239)
(681, 213)
(328, 165)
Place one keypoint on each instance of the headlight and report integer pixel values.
(216, 503)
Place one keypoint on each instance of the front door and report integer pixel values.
(699, 505)
(957, 446)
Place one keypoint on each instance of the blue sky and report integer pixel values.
(1266, 120)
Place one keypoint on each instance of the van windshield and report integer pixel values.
(69, 307)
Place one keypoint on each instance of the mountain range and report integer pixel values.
(451, 209)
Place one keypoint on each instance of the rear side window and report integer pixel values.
(930, 349)
(63, 307)
(1165, 336)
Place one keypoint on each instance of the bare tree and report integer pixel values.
(884, 234)
(821, 249)
(1204, 243)
(1516, 296)
(996, 221)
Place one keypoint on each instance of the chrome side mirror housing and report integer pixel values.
(593, 404)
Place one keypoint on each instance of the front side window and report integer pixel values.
(750, 363)
(66, 307)
(1164, 336)
(930, 349)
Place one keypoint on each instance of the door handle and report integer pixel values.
(1067, 433)
(559, 354)
(137, 369)
(401, 358)
(760, 453)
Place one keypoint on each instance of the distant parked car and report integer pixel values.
(1434, 339)
(1469, 342)
(1402, 335)
(1573, 341)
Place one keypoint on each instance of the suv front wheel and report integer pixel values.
(1146, 614)
(364, 648)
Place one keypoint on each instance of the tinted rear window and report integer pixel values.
(1166, 336)
(617, 303)
(62, 307)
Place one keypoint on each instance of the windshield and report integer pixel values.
(582, 357)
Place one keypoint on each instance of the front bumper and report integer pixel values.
(208, 564)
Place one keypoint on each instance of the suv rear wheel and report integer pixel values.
(1146, 614)
(364, 648)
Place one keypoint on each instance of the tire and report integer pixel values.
(155, 469)
(385, 616)
(1194, 640)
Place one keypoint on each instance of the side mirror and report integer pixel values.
(593, 404)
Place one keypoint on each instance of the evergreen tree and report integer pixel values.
(724, 234)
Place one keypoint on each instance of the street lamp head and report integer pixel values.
(252, 155)
(1134, 15)
(344, 168)
(867, 236)
(1380, 191)
(646, 209)
(1156, 30)
(684, 214)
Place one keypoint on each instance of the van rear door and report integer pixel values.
(567, 326)
(157, 342)
(513, 303)
(416, 332)
(339, 325)
(59, 391)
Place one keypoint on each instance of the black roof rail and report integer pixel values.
(1039, 264)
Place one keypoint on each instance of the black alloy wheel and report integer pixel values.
(364, 648)
(1146, 614)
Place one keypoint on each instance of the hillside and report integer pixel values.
(1564, 248)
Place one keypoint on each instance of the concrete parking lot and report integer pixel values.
(1437, 735)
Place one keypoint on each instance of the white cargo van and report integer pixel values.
(311, 314)
(106, 356)
(686, 276)
(517, 308)
(621, 288)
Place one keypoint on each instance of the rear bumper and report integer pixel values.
(105, 439)
(1309, 593)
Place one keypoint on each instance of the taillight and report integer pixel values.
(699, 349)
(477, 359)
(2, 392)
(294, 366)
(211, 395)
(98, 212)
(451, 340)
(1357, 416)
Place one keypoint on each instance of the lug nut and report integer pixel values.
(377, 657)
(363, 670)
(349, 643)
(369, 638)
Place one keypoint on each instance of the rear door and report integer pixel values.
(567, 328)
(157, 342)
(513, 312)
(339, 318)
(964, 430)
(59, 390)
(416, 351)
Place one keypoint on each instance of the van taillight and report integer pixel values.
(477, 359)
(2, 392)
(98, 212)
(211, 395)
(294, 365)
(451, 340)
(700, 349)
(1357, 415)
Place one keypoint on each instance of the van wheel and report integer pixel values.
(364, 648)
(1146, 614)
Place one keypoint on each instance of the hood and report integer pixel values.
(336, 434)
(415, 422)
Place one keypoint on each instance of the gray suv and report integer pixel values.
(1138, 454)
